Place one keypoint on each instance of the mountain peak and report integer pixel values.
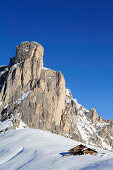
(25, 50)
(38, 96)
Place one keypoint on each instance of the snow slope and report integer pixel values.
(39, 150)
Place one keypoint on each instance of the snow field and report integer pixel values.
(34, 149)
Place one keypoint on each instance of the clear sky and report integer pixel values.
(77, 36)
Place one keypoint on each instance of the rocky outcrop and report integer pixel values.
(43, 89)
(92, 115)
(38, 96)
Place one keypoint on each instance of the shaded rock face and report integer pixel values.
(3, 75)
(39, 96)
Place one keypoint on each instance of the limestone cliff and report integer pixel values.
(38, 96)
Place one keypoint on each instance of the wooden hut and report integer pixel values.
(82, 150)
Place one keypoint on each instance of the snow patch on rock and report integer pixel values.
(24, 96)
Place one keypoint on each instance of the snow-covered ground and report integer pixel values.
(39, 150)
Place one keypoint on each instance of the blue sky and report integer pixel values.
(78, 40)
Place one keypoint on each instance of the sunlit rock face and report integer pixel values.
(92, 115)
(30, 89)
(38, 96)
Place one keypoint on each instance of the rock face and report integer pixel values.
(43, 89)
(92, 115)
(3, 75)
(38, 96)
